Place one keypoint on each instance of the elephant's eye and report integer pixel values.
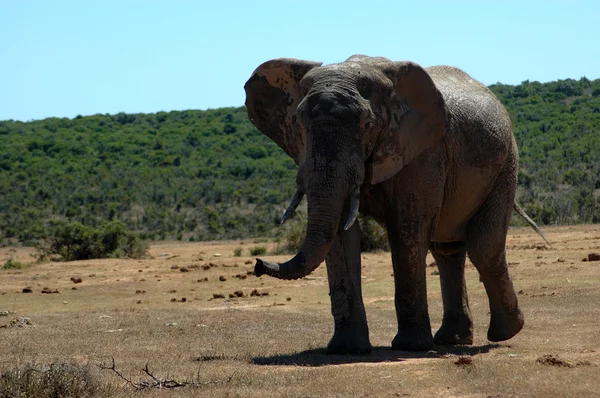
(364, 89)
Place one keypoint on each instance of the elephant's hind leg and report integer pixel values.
(351, 334)
(457, 324)
(486, 248)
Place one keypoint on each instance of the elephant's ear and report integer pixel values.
(272, 96)
(418, 118)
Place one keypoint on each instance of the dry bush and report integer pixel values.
(64, 380)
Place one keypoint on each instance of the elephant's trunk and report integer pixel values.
(323, 222)
(334, 170)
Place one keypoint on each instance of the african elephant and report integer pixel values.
(429, 153)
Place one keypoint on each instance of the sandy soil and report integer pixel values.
(195, 312)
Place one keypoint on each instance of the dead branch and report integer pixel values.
(157, 382)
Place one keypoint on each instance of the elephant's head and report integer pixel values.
(345, 125)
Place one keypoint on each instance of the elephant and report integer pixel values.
(427, 152)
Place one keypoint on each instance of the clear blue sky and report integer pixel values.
(64, 58)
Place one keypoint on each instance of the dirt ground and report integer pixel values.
(174, 312)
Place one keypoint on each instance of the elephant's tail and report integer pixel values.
(522, 213)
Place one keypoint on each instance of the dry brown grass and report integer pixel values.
(273, 344)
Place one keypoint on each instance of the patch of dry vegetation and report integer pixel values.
(234, 342)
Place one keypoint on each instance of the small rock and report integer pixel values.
(435, 272)
(139, 302)
(174, 267)
(27, 290)
(222, 278)
(74, 288)
(553, 360)
(114, 330)
(254, 293)
(76, 279)
(173, 300)
(264, 293)
(104, 317)
(217, 255)
(184, 269)
(140, 292)
(172, 324)
(238, 293)
(218, 295)
(288, 299)
(247, 262)
(20, 322)
(47, 290)
(4, 313)
(594, 257)
(464, 361)
(206, 267)
(231, 295)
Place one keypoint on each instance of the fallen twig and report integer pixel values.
(156, 382)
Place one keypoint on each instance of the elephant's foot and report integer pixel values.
(415, 338)
(455, 331)
(349, 341)
(503, 326)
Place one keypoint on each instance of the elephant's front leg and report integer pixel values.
(409, 251)
(351, 335)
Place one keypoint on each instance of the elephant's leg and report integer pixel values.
(409, 251)
(457, 324)
(486, 248)
(351, 335)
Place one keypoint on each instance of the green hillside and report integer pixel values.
(207, 175)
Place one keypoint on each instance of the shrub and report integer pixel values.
(75, 241)
(237, 252)
(373, 237)
(258, 250)
(293, 234)
(64, 380)
(13, 264)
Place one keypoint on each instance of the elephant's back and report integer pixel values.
(479, 145)
(465, 95)
(479, 123)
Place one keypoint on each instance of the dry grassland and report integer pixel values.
(161, 310)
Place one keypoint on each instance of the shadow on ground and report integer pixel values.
(318, 357)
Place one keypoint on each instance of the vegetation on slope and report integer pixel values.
(204, 175)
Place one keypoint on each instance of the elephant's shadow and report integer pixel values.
(318, 357)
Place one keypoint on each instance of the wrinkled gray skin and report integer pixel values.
(433, 155)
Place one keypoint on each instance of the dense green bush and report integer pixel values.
(75, 241)
(11, 263)
(207, 175)
(373, 237)
(258, 250)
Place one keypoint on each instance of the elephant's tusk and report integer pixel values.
(354, 202)
(296, 199)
